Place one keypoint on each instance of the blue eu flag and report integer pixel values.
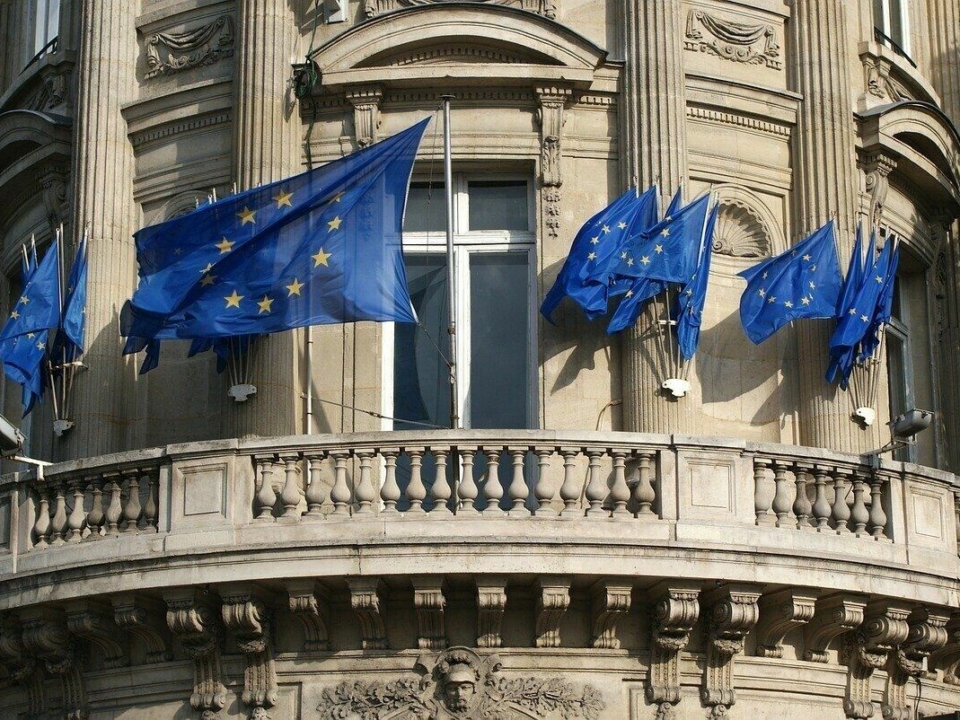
(693, 297)
(74, 321)
(38, 307)
(321, 247)
(884, 309)
(586, 273)
(639, 291)
(803, 282)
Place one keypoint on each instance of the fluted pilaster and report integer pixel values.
(826, 186)
(267, 148)
(8, 53)
(943, 17)
(103, 397)
(653, 138)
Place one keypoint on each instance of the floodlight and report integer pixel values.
(903, 430)
(11, 439)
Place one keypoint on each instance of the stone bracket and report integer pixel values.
(193, 618)
(675, 613)
(927, 634)
(365, 100)
(366, 601)
(309, 604)
(868, 649)
(878, 166)
(552, 102)
(246, 613)
(491, 602)
(611, 601)
(21, 666)
(834, 615)
(429, 603)
(780, 613)
(732, 611)
(93, 621)
(552, 602)
(142, 617)
(45, 635)
(947, 658)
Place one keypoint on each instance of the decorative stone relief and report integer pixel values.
(675, 612)
(459, 684)
(780, 613)
(246, 614)
(739, 42)
(21, 666)
(611, 601)
(552, 102)
(740, 232)
(94, 622)
(868, 649)
(196, 623)
(547, 8)
(552, 603)
(731, 615)
(878, 167)
(366, 113)
(491, 602)
(53, 186)
(309, 605)
(834, 615)
(54, 91)
(927, 634)
(169, 53)
(947, 658)
(45, 636)
(365, 600)
(429, 603)
(142, 617)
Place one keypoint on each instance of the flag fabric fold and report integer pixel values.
(884, 311)
(693, 297)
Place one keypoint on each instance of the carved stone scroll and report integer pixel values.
(245, 612)
(780, 613)
(731, 613)
(947, 658)
(429, 603)
(309, 605)
(547, 8)
(93, 621)
(552, 603)
(21, 665)
(927, 634)
(834, 615)
(878, 167)
(611, 601)
(491, 602)
(143, 617)
(675, 612)
(552, 101)
(366, 112)
(366, 602)
(169, 53)
(739, 42)
(45, 636)
(193, 618)
(867, 650)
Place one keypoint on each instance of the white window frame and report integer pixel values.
(467, 243)
(899, 330)
(885, 26)
(46, 23)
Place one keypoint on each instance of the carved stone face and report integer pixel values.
(458, 694)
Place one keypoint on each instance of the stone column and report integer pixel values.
(267, 148)
(653, 138)
(944, 36)
(103, 167)
(9, 16)
(826, 185)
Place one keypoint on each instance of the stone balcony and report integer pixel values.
(594, 548)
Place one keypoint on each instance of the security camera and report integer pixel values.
(910, 423)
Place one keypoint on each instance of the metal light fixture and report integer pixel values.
(903, 431)
(11, 445)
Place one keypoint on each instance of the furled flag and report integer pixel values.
(321, 247)
(586, 273)
(803, 282)
(884, 310)
(68, 345)
(693, 297)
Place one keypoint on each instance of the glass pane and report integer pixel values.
(426, 208)
(895, 19)
(878, 16)
(896, 382)
(498, 205)
(421, 387)
(499, 348)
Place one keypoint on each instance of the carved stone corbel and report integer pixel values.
(429, 603)
(365, 100)
(52, 182)
(552, 101)
(878, 166)
(93, 621)
(193, 618)
(491, 602)
(611, 601)
(834, 615)
(552, 602)
(675, 612)
(45, 636)
(365, 598)
(143, 617)
(247, 615)
(867, 650)
(21, 665)
(731, 613)
(781, 612)
(927, 634)
(308, 603)
(947, 658)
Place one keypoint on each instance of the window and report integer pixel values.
(43, 17)
(494, 270)
(890, 25)
(899, 374)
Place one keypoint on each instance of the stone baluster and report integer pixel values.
(619, 492)
(545, 488)
(596, 488)
(151, 506)
(290, 494)
(859, 513)
(802, 507)
(644, 494)
(365, 491)
(59, 521)
(390, 490)
(492, 490)
(416, 491)
(781, 499)
(114, 508)
(440, 492)
(95, 517)
(316, 492)
(570, 489)
(878, 518)
(132, 508)
(518, 489)
(340, 493)
(468, 489)
(266, 495)
(761, 498)
(76, 521)
(841, 512)
(41, 528)
(821, 506)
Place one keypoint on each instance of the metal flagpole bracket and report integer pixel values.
(865, 416)
(677, 387)
(242, 392)
(61, 426)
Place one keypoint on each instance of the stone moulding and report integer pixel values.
(739, 42)
(547, 8)
(169, 53)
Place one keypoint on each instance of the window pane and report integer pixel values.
(499, 384)
(498, 205)
(878, 16)
(421, 387)
(896, 381)
(895, 20)
(426, 208)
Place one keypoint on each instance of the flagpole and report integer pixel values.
(451, 277)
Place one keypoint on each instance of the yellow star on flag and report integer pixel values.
(247, 216)
(320, 258)
(41, 345)
(207, 280)
(234, 299)
(334, 224)
(336, 198)
(24, 299)
(31, 336)
(294, 288)
(264, 305)
(224, 246)
(207, 269)
(14, 315)
(283, 198)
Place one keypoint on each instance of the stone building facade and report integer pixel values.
(589, 547)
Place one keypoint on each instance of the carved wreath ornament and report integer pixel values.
(458, 684)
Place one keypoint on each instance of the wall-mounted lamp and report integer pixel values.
(903, 431)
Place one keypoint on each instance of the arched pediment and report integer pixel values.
(23, 132)
(458, 44)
